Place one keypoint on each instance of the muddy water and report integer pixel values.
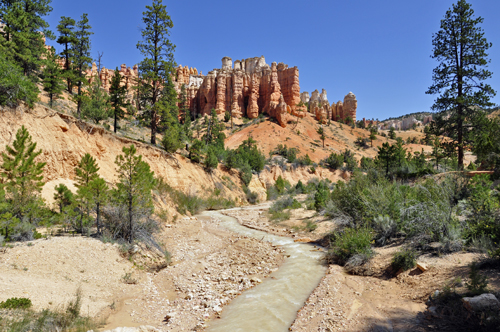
(272, 305)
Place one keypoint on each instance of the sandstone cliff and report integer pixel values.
(250, 88)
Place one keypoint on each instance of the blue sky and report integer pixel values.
(379, 50)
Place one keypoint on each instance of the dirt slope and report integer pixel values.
(305, 138)
(64, 140)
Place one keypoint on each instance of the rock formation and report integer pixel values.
(282, 112)
(249, 88)
(350, 105)
(321, 109)
(304, 97)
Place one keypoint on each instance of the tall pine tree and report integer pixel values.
(66, 29)
(158, 63)
(80, 51)
(133, 191)
(118, 94)
(52, 77)
(24, 33)
(460, 47)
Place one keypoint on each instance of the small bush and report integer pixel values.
(349, 243)
(16, 303)
(285, 203)
(477, 283)
(280, 216)
(404, 259)
(311, 226)
(127, 278)
(384, 228)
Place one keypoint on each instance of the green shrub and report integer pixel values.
(334, 161)
(281, 185)
(478, 282)
(404, 259)
(246, 174)
(300, 188)
(304, 161)
(349, 243)
(16, 303)
(284, 203)
(311, 226)
(280, 216)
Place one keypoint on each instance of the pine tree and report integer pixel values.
(23, 177)
(437, 151)
(321, 133)
(460, 47)
(66, 29)
(211, 161)
(86, 172)
(24, 33)
(373, 135)
(133, 191)
(52, 78)
(96, 102)
(14, 86)
(99, 191)
(80, 51)
(386, 156)
(63, 196)
(117, 97)
(392, 133)
(158, 63)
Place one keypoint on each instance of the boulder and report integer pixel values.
(483, 302)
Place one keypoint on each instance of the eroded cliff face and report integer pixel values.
(323, 111)
(249, 88)
(64, 140)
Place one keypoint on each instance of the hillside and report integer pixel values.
(305, 138)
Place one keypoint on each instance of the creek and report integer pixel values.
(272, 305)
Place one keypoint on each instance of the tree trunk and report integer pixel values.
(116, 123)
(98, 218)
(79, 104)
(153, 125)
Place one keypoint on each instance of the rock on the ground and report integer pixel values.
(481, 302)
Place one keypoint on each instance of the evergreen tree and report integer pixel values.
(23, 177)
(373, 135)
(171, 140)
(63, 196)
(25, 32)
(86, 172)
(99, 191)
(118, 93)
(52, 78)
(386, 156)
(211, 161)
(392, 133)
(66, 29)
(460, 47)
(437, 151)
(80, 51)
(96, 102)
(158, 63)
(14, 86)
(133, 191)
(321, 133)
